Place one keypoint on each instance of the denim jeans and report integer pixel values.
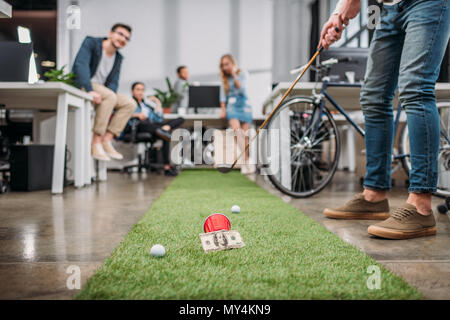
(406, 52)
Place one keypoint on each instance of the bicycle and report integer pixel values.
(314, 142)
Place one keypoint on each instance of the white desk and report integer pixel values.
(62, 98)
(348, 98)
(5, 10)
(211, 120)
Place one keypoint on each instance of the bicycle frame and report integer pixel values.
(324, 95)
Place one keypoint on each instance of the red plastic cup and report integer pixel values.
(216, 222)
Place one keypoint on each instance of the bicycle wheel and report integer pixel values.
(443, 186)
(307, 147)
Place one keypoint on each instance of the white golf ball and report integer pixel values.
(157, 251)
(235, 209)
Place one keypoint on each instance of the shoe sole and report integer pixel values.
(400, 234)
(114, 157)
(99, 159)
(356, 216)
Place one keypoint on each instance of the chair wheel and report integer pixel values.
(127, 170)
(3, 187)
(447, 202)
(442, 209)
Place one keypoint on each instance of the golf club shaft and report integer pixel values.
(279, 104)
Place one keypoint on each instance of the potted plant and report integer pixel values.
(58, 75)
(168, 97)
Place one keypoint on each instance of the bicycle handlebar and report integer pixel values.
(328, 62)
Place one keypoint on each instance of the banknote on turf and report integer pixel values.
(221, 240)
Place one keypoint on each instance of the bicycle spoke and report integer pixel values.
(302, 180)
(320, 140)
(317, 167)
(298, 139)
(294, 178)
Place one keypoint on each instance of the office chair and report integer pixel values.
(146, 158)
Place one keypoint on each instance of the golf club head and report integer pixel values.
(224, 168)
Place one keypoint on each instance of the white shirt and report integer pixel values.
(104, 68)
(182, 88)
(144, 109)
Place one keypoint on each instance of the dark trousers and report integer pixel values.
(147, 126)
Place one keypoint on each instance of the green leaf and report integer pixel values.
(58, 75)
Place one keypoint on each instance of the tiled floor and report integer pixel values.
(41, 235)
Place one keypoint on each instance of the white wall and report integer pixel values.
(144, 58)
(205, 34)
(291, 37)
(256, 48)
(167, 33)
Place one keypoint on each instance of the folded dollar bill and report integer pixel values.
(221, 240)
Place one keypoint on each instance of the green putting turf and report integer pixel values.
(287, 254)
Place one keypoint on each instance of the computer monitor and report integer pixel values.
(15, 61)
(357, 62)
(204, 97)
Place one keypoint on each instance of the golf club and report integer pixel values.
(226, 168)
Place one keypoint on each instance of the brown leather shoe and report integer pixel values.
(405, 223)
(360, 208)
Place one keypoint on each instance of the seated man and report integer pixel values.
(151, 120)
(97, 67)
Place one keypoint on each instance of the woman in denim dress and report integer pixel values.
(235, 108)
